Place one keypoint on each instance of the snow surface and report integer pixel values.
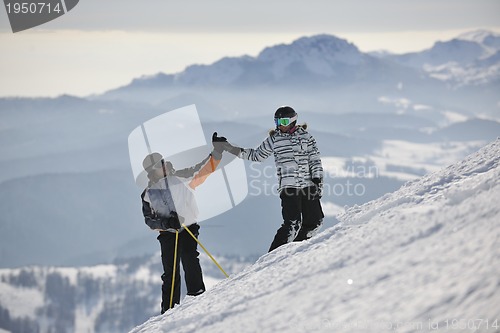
(424, 258)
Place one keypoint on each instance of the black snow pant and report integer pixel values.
(187, 253)
(302, 216)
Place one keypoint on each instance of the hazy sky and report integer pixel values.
(102, 44)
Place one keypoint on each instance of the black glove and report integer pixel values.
(316, 191)
(218, 143)
(171, 222)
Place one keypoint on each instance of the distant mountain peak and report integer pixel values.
(318, 55)
(457, 50)
(323, 40)
(478, 36)
(489, 40)
(323, 46)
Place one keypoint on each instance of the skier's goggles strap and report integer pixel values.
(284, 121)
(160, 164)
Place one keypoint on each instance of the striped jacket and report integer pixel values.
(296, 156)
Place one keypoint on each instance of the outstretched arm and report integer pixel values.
(260, 153)
(202, 170)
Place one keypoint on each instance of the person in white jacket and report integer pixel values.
(168, 205)
(300, 175)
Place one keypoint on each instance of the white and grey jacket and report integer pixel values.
(296, 156)
(174, 195)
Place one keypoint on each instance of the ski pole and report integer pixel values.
(175, 266)
(206, 251)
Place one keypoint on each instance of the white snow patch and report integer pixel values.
(461, 75)
(454, 117)
(422, 107)
(397, 102)
(144, 274)
(70, 273)
(416, 158)
(23, 302)
(419, 156)
(100, 271)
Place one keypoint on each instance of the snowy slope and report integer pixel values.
(424, 257)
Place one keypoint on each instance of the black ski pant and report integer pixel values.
(188, 254)
(302, 216)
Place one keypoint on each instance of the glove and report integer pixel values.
(171, 222)
(232, 149)
(218, 143)
(316, 191)
(216, 138)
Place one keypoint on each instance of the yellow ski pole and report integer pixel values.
(175, 266)
(204, 249)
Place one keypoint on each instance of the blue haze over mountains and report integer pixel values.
(67, 194)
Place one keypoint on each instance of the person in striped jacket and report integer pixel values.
(300, 175)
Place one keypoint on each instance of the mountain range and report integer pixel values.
(461, 73)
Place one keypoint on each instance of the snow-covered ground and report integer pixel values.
(424, 258)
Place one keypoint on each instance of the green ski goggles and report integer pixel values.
(284, 121)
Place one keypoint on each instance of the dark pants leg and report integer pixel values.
(167, 244)
(312, 216)
(291, 209)
(190, 262)
(186, 253)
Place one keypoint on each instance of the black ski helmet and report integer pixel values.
(285, 112)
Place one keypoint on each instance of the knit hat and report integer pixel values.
(152, 161)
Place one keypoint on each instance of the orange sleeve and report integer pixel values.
(205, 171)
